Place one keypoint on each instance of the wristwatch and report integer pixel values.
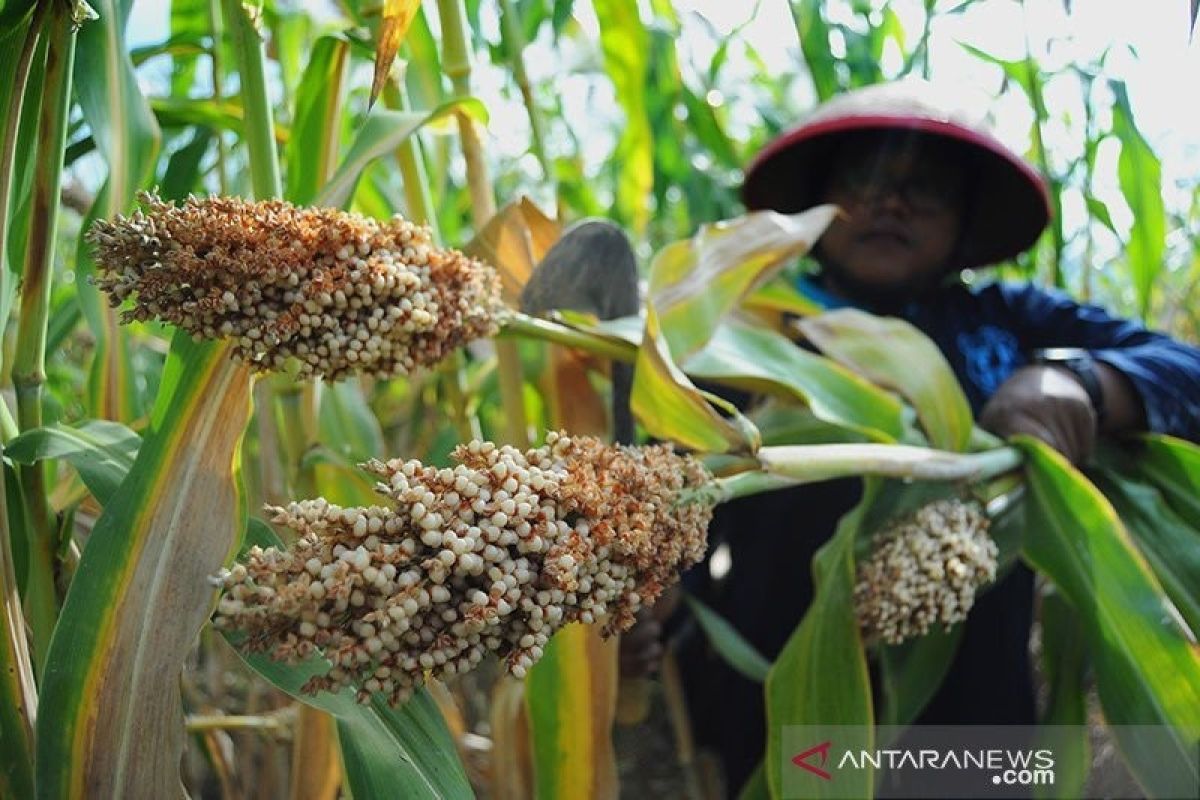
(1078, 362)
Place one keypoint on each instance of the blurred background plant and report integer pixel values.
(641, 112)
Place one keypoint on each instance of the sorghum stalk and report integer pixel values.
(259, 128)
(456, 62)
(520, 325)
(16, 669)
(817, 462)
(29, 361)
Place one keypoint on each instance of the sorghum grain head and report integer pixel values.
(924, 570)
(492, 555)
(338, 292)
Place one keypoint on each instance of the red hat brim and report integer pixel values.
(1008, 208)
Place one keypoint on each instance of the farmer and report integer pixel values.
(925, 195)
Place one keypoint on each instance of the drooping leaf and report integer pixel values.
(397, 16)
(670, 406)
(1146, 666)
(725, 639)
(695, 282)
(883, 349)
(141, 594)
(513, 241)
(102, 452)
(379, 136)
(762, 360)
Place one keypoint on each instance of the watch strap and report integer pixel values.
(1082, 365)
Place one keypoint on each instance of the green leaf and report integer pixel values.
(347, 423)
(884, 350)
(910, 673)
(820, 676)
(1173, 466)
(387, 752)
(183, 169)
(725, 639)
(312, 148)
(761, 360)
(380, 135)
(625, 42)
(814, 44)
(695, 282)
(102, 452)
(1170, 545)
(1140, 173)
(1147, 670)
(1065, 724)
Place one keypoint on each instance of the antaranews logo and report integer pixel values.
(802, 760)
(920, 761)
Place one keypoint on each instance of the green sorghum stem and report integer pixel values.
(259, 128)
(806, 463)
(29, 361)
(517, 324)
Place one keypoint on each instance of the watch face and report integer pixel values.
(1061, 354)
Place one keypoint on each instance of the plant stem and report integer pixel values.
(807, 463)
(236, 722)
(19, 701)
(456, 62)
(12, 125)
(29, 361)
(259, 128)
(18, 705)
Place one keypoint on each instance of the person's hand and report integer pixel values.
(1047, 403)
(641, 648)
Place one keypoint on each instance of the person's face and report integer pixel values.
(901, 223)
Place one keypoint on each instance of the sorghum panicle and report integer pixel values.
(339, 292)
(924, 570)
(492, 555)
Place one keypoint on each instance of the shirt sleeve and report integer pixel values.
(1165, 372)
